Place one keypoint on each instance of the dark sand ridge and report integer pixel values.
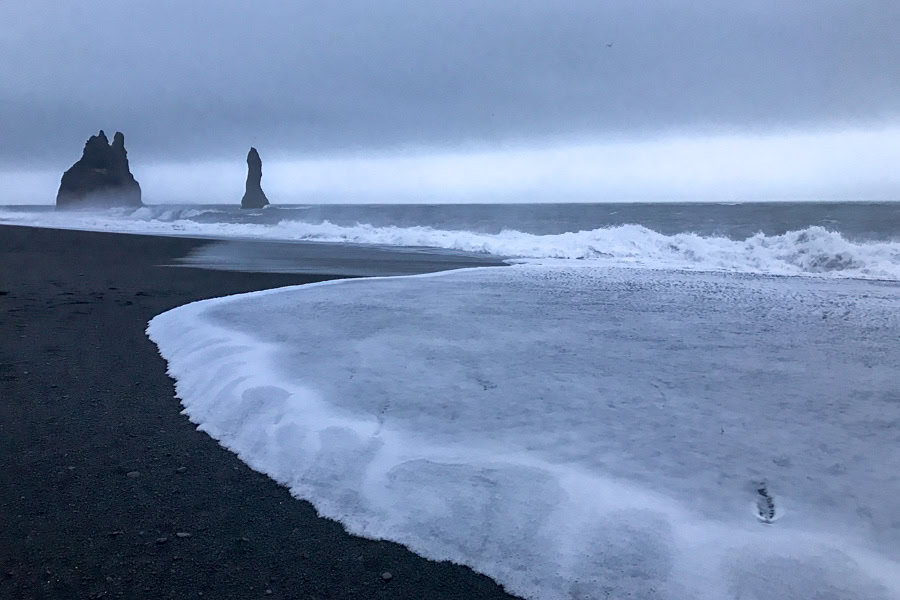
(106, 490)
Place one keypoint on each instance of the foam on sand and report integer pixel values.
(574, 433)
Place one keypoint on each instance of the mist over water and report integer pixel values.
(815, 165)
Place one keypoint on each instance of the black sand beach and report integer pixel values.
(106, 490)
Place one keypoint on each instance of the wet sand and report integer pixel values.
(106, 490)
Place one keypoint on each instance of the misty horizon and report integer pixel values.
(798, 167)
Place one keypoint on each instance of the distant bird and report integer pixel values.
(609, 45)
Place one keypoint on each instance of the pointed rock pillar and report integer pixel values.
(254, 197)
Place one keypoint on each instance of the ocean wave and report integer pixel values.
(814, 250)
(155, 213)
(811, 251)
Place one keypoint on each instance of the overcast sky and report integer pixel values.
(199, 82)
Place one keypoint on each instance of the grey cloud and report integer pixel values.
(206, 80)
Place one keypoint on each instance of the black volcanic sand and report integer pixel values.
(106, 490)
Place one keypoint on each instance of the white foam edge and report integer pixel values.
(186, 337)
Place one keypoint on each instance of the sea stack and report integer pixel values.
(101, 178)
(254, 197)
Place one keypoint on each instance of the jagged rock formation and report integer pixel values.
(254, 197)
(101, 178)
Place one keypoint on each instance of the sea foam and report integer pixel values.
(811, 251)
(574, 433)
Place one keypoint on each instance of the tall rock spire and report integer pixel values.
(254, 197)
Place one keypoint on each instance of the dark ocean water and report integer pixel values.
(855, 221)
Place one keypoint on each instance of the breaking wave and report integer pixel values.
(811, 251)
